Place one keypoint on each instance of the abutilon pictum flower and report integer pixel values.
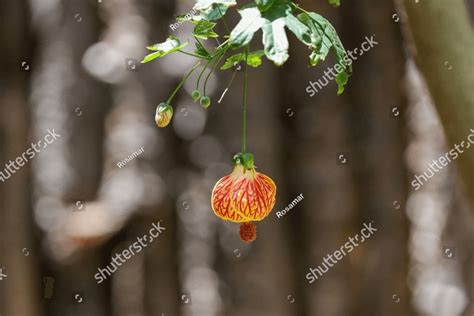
(244, 196)
(163, 115)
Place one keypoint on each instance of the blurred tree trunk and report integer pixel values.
(161, 273)
(445, 61)
(376, 108)
(65, 98)
(340, 198)
(20, 288)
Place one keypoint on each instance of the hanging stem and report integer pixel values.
(212, 70)
(190, 54)
(182, 82)
(202, 72)
(244, 108)
(217, 52)
(197, 39)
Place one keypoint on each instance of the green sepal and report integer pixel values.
(246, 160)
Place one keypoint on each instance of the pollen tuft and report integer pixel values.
(248, 232)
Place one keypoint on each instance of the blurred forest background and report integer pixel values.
(69, 65)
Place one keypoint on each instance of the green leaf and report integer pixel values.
(232, 61)
(193, 18)
(332, 36)
(204, 30)
(214, 13)
(314, 58)
(171, 45)
(341, 79)
(254, 59)
(250, 23)
(320, 42)
(302, 32)
(206, 4)
(212, 10)
(335, 3)
(201, 51)
(324, 37)
(264, 5)
(275, 41)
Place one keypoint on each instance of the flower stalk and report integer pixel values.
(244, 106)
(182, 82)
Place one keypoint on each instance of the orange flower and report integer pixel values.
(244, 196)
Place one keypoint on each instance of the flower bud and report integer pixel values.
(205, 102)
(196, 95)
(164, 113)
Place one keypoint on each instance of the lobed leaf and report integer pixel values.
(324, 37)
(301, 31)
(201, 51)
(212, 10)
(275, 41)
(204, 30)
(206, 4)
(193, 18)
(254, 59)
(264, 5)
(342, 78)
(250, 23)
(272, 16)
(171, 45)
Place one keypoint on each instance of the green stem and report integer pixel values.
(244, 108)
(190, 54)
(212, 70)
(299, 8)
(202, 72)
(233, 77)
(211, 58)
(182, 82)
(223, 43)
(197, 39)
